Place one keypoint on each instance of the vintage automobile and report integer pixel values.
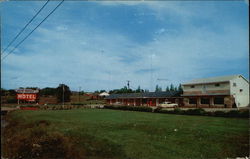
(167, 104)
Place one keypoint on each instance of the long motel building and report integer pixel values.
(215, 92)
(144, 98)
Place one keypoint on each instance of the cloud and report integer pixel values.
(80, 53)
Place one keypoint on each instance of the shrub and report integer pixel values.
(78, 104)
(198, 111)
(244, 114)
(233, 113)
(12, 100)
(219, 113)
(130, 108)
(178, 111)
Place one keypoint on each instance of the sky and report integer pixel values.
(102, 44)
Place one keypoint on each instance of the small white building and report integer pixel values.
(225, 91)
(103, 94)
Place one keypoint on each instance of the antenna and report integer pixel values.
(162, 79)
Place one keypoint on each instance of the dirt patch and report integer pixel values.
(35, 140)
(241, 148)
(39, 143)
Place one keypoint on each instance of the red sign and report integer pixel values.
(27, 97)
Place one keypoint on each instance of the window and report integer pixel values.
(217, 85)
(234, 84)
(218, 100)
(192, 86)
(192, 101)
(241, 90)
(204, 100)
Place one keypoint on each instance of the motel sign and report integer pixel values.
(27, 97)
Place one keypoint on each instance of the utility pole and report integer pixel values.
(63, 95)
(128, 83)
(79, 94)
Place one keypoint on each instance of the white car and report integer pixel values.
(168, 104)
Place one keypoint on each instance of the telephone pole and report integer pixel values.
(79, 94)
(63, 95)
(128, 83)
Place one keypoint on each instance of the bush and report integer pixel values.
(12, 100)
(244, 114)
(78, 104)
(198, 111)
(178, 111)
(233, 113)
(219, 114)
(130, 108)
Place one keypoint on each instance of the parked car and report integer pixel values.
(117, 103)
(168, 105)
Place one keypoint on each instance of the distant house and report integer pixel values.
(103, 94)
(144, 98)
(92, 96)
(225, 91)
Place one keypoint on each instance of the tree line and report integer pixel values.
(125, 89)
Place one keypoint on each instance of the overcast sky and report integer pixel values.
(101, 45)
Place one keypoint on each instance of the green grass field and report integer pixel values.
(141, 135)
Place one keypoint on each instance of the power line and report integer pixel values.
(25, 26)
(33, 30)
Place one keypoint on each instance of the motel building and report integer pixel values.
(27, 96)
(144, 98)
(217, 92)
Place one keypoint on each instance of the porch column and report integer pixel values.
(198, 102)
(211, 101)
(134, 101)
(140, 101)
(156, 102)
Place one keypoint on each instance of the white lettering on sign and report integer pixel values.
(27, 96)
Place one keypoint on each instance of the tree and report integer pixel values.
(101, 91)
(167, 89)
(180, 89)
(63, 93)
(138, 90)
(48, 91)
(175, 88)
(158, 89)
(171, 87)
(3, 92)
(34, 88)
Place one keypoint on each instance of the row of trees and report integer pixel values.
(169, 88)
(125, 89)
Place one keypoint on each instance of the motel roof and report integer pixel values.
(145, 95)
(213, 79)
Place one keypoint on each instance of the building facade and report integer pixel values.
(144, 98)
(224, 92)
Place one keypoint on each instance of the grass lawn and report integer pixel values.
(126, 134)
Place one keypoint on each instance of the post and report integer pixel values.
(63, 96)
(79, 94)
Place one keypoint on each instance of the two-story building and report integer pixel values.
(225, 91)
